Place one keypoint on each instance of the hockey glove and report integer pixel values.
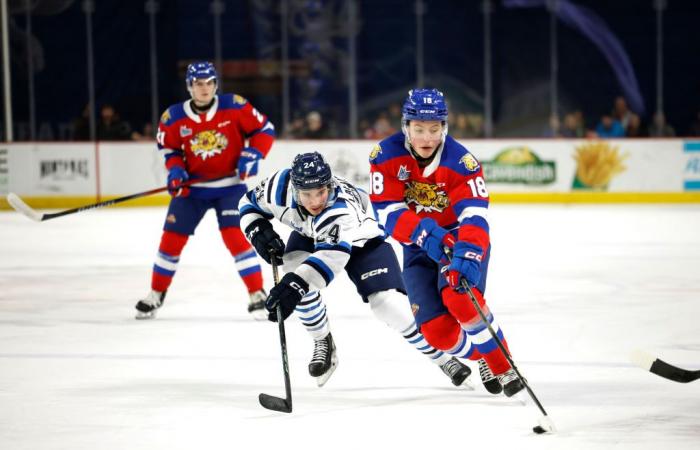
(265, 240)
(432, 238)
(466, 264)
(176, 177)
(288, 294)
(248, 162)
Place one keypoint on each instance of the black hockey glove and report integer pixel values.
(265, 240)
(288, 293)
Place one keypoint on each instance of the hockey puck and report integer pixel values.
(539, 430)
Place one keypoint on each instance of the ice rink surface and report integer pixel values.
(575, 288)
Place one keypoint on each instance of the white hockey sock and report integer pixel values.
(312, 312)
(391, 307)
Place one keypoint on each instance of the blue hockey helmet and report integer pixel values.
(201, 70)
(424, 104)
(310, 171)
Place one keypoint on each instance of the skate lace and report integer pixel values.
(507, 377)
(153, 299)
(485, 372)
(451, 367)
(320, 351)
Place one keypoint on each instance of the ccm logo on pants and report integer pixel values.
(374, 272)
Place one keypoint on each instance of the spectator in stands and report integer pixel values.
(570, 128)
(553, 127)
(110, 127)
(659, 127)
(381, 128)
(634, 127)
(81, 125)
(621, 112)
(295, 129)
(608, 127)
(315, 127)
(146, 133)
(395, 115)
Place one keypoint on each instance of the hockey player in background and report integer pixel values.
(430, 194)
(334, 229)
(210, 136)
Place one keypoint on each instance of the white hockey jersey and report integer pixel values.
(347, 221)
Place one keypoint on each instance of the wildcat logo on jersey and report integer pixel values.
(208, 143)
(470, 162)
(376, 150)
(427, 197)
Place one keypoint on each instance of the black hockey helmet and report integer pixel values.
(310, 171)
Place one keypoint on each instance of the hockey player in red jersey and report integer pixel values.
(219, 137)
(430, 194)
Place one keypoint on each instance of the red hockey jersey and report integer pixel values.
(451, 190)
(209, 145)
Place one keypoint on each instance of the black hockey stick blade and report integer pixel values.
(274, 403)
(662, 368)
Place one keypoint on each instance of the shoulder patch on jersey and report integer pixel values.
(469, 162)
(376, 150)
(165, 117)
(238, 100)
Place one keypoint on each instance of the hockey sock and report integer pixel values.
(391, 307)
(245, 257)
(312, 313)
(469, 319)
(167, 259)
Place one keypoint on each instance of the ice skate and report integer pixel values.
(458, 373)
(146, 308)
(488, 379)
(256, 305)
(324, 360)
(511, 383)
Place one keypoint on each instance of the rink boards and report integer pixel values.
(62, 175)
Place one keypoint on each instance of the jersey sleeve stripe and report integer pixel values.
(341, 247)
(329, 220)
(472, 211)
(391, 210)
(283, 187)
(269, 187)
(253, 207)
(332, 211)
(476, 221)
(468, 202)
(320, 267)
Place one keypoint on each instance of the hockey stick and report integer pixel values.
(270, 401)
(545, 423)
(662, 368)
(20, 206)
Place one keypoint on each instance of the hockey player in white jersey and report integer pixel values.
(335, 229)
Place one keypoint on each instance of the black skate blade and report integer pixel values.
(274, 403)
